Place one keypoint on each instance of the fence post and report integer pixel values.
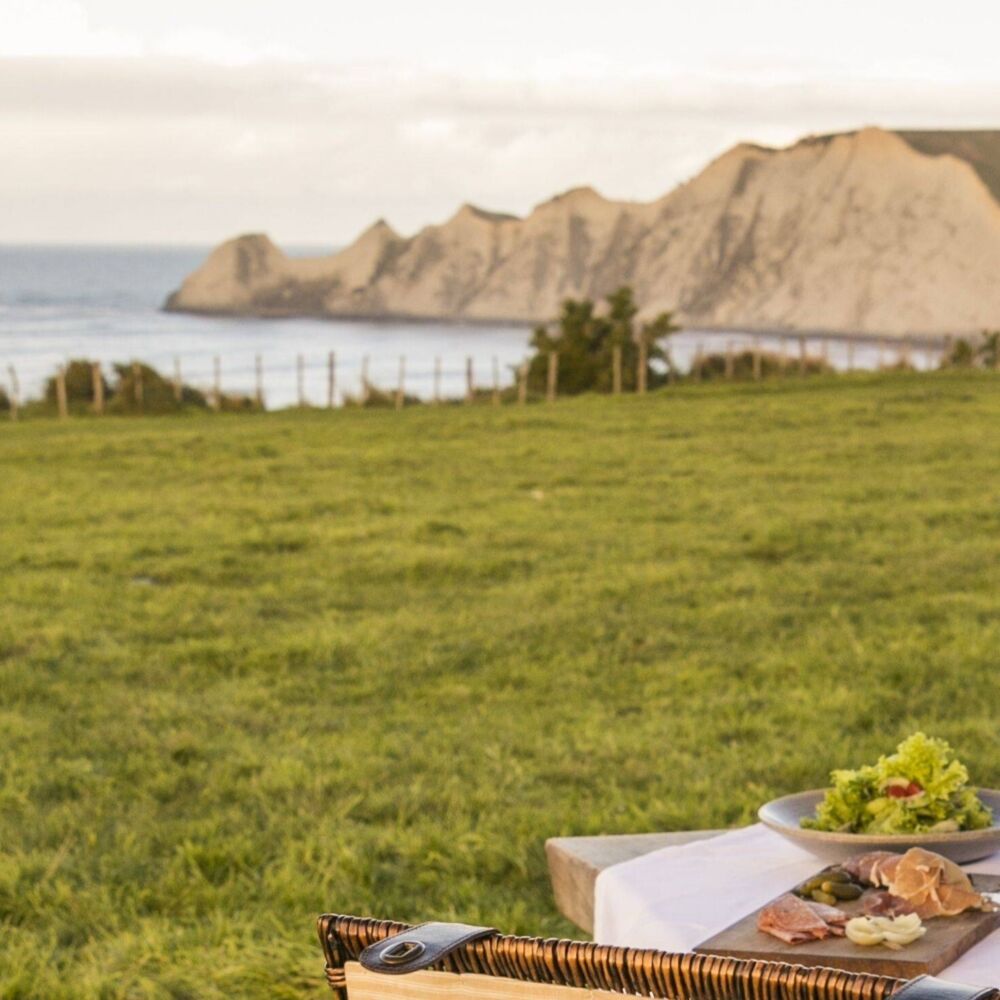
(522, 383)
(641, 374)
(97, 384)
(470, 381)
(61, 392)
(616, 369)
(904, 354)
(552, 380)
(802, 355)
(300, 367)
(730, 360)
(756, 359)
(850, 354)
(217, 383)
(784, 355)
(331, 379)
(178, 383)
(496, 381)
(881, 354)
(15, 393)
(698, 363)
(365, 384)
(137, 384)
(437, 379)
(824, 351)
(258, 365)
(400, 392)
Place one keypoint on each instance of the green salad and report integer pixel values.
(921, 788)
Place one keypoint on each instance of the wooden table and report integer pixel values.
(575, 862)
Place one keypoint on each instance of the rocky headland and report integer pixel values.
(872, 232)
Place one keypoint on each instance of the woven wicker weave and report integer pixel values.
(633, 971)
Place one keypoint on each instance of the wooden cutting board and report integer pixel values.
(946, 939)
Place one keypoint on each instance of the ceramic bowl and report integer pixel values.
(783, 815)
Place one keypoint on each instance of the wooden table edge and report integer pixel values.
(575, 862)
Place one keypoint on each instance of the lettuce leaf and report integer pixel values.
(860, 800)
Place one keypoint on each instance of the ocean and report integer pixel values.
(103, 303)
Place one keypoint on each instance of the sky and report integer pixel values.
(189, 121)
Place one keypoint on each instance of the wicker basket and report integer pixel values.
(630, 971)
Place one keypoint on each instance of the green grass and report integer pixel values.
(257, 667)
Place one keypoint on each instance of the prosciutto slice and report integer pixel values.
(918, 881)
(872, 868)
(932, 885)
(794, 920)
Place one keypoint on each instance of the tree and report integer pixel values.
(586, 343)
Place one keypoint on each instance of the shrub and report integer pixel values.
(713, 366)
(229, 403)
(380, 399)
(151, 392)
(961, 355)
(989, 349)
(983, 353)
(585, 342)
(79, 385)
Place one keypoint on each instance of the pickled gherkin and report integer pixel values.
(832, 882)
(842, 890)
(820, 896)
(835, 875)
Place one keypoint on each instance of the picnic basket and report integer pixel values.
(485, 965)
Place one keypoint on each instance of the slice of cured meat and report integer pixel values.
(918, 881)
(933, 885)
(793, 920)
(884, 904)
(873, 867)
(833, 918)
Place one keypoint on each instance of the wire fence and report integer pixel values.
(333, 381)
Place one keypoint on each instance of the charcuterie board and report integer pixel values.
(946, 939)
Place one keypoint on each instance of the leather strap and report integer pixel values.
(929, 988)
(426, 944)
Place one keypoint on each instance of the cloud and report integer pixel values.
(178, 149)
(218, 48)
(58, 27)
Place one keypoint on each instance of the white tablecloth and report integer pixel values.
(675, 898)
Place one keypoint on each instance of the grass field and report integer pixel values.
(257, 667)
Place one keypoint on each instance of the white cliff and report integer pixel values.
(870, 231)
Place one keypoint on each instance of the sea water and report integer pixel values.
(104, 304)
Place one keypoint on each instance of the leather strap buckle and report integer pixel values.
(419, 947)
(405, 951)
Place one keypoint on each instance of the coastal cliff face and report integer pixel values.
(870, 232)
